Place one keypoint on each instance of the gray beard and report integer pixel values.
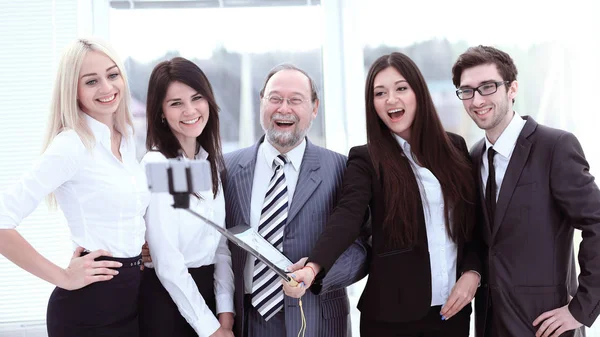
(286, 139)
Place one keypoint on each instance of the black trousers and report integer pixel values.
(429, 326)
(159, 316)
(102, 309)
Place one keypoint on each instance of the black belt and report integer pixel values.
(128, 262)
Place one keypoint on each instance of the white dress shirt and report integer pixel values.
(504, 146)
(102, 198)
(442, 250)
(262, 176)
(178, 241)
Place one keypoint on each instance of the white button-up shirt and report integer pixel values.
(442, 250)
(504, 146)
(102, 198)
(262, 176)
(178, 240)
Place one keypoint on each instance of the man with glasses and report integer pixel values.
(285, 187)
(535, 190)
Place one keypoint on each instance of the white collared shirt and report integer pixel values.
(262, 176)
(442, 250)
(504, 146)
(102, 198)
(178, 241)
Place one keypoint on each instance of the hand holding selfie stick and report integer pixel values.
(181, 178)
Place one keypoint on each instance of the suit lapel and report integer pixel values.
(477, 158)
(308, 180)
(513, 172)
(243, 179)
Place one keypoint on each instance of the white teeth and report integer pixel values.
(108, 99)
(483, 112)
(191, 121)
(285, 122)
(395, 110)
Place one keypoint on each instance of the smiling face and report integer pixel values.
(100, 86)
(186, 112)
(286, 125)
(491, 113)
(394, 101)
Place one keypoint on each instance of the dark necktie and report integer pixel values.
(490, 188)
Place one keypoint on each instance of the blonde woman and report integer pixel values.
(89, 168)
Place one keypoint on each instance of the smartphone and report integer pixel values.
(159, 174)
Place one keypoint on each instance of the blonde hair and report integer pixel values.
(64, 111)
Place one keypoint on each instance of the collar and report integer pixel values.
(99, 129)
(294, 156)
(507, 140)
(202, 154)
(403, 144)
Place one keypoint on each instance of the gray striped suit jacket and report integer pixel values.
(317, 190)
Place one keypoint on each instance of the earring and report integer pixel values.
(163, 119)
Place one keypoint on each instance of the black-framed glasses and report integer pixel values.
(278, 100)
(485, 89)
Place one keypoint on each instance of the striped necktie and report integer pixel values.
(267, 295)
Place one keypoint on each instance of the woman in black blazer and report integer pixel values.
(417, 181)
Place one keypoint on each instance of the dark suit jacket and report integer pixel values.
(399, 285)
(317, 189)
(528, 257)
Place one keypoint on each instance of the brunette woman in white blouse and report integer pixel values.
(89, 167)
(190, 281)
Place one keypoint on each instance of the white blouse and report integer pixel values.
(442, 250)
(178, 241)
(103, 199)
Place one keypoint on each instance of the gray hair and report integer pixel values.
(288, 66)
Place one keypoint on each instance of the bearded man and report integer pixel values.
(285, 187)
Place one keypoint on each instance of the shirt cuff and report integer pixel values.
(225, 303)
(205, 328)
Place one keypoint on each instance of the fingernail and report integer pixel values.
(443, 318)
(120, 264)
(116, 272)
(294, 275)
(302, 284)
(287, 270)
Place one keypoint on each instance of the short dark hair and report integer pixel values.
(475, 56)
(288, 66)
(160, 137)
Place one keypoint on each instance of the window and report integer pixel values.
(234, 46)
(33, 34)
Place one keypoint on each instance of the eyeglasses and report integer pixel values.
(484, 90)
(278, 100)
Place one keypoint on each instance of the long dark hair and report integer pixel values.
(431, 147)
(160, 136)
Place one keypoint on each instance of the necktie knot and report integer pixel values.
(491, 153)
(279, 161)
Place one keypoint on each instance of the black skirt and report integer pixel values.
(101, 309)
(159, 315)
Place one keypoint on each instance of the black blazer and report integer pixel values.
(527, 255)
(399, 285)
